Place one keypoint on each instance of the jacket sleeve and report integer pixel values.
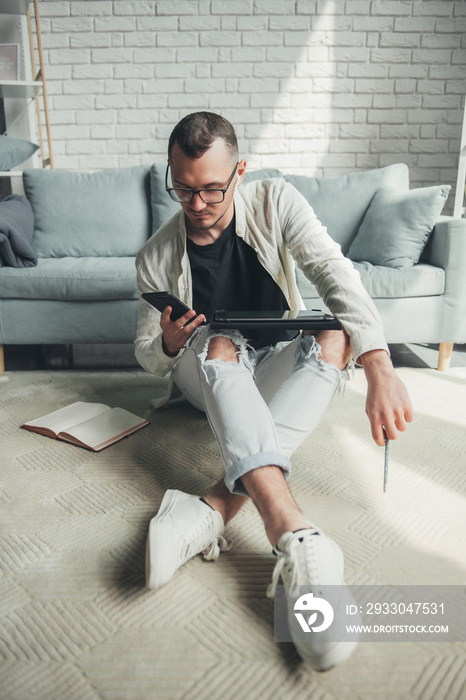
(148, 344)
(337, 281)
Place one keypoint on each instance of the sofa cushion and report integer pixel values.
(106, 213)
(71, 278)
(340, 203)
(421, 280)
(163, 207)
(397, 225)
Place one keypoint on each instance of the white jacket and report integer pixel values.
(274, 219)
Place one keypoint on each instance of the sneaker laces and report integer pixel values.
(198, 535)
(272, 587)
(293, 563)
(219, 544)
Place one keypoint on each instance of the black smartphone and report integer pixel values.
(163, 299)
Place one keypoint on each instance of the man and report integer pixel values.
(236, 249)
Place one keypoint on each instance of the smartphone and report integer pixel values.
(163, 299)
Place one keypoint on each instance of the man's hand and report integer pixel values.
(388, 406)
(176, 333)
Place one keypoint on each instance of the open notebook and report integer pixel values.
(90, 425)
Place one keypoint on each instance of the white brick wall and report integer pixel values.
(319, 87)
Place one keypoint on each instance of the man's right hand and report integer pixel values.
(176, 333)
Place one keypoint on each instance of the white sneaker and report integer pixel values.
(310, 559)
(183, 527)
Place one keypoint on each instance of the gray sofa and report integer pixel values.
(89, 227)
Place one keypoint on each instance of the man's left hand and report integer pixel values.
(388, 406)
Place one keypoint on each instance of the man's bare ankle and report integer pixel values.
(227, 505)
(214, 504)
(277, 527)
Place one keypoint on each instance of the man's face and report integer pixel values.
(212, 169)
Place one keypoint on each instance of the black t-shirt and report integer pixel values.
(226, 274)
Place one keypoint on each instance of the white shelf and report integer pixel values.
(20, 88)
(14, 7)
(28, 89)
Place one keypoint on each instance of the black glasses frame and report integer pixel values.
(223, 190)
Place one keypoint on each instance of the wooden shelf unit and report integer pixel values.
(30, 89)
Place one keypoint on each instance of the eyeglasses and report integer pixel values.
(213, 195)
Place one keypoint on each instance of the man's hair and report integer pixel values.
(196, 132)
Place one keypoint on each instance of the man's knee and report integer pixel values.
(335, 348)
(222, 348)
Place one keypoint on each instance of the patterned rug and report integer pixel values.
(76, 622)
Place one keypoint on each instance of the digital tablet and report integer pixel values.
(313, 319)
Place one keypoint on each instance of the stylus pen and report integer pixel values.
(385, 469)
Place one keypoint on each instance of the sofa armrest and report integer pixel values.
(447, 241)
(447, 249)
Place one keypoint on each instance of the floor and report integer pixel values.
(76, 622)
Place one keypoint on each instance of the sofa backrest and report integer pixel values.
(112, 213)
(104, 214)
(341, 202)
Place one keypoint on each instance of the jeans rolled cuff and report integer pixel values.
(243, 466)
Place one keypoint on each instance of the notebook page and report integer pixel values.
(104, 427)
(69, 416)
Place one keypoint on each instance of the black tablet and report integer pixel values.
(313, 319)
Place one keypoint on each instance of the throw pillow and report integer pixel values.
(163, 207)
(105, 213)
(14, 151)
(341, 202)
(397, 225)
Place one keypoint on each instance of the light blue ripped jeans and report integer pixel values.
(261, 408)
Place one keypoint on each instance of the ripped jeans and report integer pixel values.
(262, 407)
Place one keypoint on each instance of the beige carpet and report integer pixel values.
(76, 622)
